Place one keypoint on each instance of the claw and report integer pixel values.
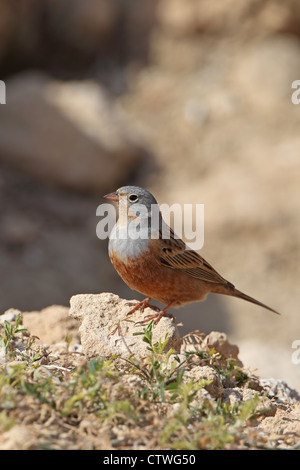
(141, 306)
(157, 316)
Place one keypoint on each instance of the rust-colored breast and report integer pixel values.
(146, 275)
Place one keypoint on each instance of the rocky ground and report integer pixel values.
(115, 384)
(187, 100)
(191, 100)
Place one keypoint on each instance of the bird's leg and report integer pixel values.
(157, 316)
(141, 306)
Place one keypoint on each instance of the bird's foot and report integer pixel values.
(157, 316)
(141, 306)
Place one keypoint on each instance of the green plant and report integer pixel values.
(162, 372)
(10, 330)
(85, 387)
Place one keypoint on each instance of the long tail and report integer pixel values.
(241, 295)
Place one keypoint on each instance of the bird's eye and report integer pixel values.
(133, 198)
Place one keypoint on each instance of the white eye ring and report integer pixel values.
(133, 197)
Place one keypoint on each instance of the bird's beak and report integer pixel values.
(112, 196)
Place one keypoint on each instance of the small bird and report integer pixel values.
(159, 266)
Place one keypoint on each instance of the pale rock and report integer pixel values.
(285, 422)
(9, 315)
(51, 324)
(237, 396)
(280, 390)
(220, 343)
(207, 373)
(106, 331)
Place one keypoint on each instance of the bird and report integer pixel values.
(152, 260)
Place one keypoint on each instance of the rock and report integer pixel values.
(236, 396)
(220, 343)
(69, 135)
(280, 390)
(285, 424)
(100, 315)
(9, 315)
(51, 325)
(199, 373)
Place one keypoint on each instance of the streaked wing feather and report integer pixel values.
(175, 255)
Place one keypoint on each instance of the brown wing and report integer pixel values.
(176, 255)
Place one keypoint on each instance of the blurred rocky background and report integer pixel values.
(191, 100)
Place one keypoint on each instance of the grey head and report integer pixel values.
(136, 195)
(139, 206)
(135, 200)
